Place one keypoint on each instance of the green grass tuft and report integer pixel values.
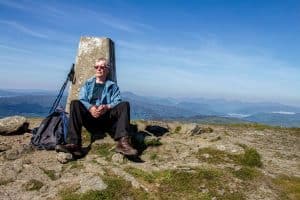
(152, 141)
(153, 156)
(251, 158)
(178, 129)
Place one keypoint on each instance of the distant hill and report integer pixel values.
(289, 120)
(38, 103)
(27, 105)
(5, 93)
(211, 120)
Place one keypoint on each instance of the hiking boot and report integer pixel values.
(125, 148)
(67, 148)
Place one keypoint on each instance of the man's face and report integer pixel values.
(101, 69)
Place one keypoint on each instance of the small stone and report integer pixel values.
(26, 161)
(12, 154)
(117, 158)
(91, 182)
(206, 155)
(9, 172)
(221, 147)
(4, 147)
(197, 130)
(205, 190)
(234, 150)
(221, 192)
(13, 125)
(27, 135)
(64, 157)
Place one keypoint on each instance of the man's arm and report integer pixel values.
(115, 96)
(83, 97)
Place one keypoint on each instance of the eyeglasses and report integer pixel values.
(103, 67)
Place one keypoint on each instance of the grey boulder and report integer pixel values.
(13, 125)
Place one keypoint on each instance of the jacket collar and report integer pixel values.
(92, 80)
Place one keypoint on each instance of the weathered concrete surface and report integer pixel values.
(89, 50)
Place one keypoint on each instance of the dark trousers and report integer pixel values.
(116, 120)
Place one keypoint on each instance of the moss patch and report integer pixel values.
(33, 184)
(50, 173)
(250, 158)
(76, 165)
(215, 156)
(103, 150)
(246, 173)
(117, 188)
(145, 176)
(86, 137)
(289, 187)
(198, 183)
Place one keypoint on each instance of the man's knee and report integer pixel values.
(75, 103)
(124, 105)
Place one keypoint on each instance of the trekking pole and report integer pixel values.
(71, 78)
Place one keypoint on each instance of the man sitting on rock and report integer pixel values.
(99, 108)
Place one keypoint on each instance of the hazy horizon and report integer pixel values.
(237, 50)
(179, 98)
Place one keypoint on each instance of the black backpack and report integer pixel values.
(52, 131)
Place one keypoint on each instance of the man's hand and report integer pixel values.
(98, 111)
(94, 111)
(102, 109)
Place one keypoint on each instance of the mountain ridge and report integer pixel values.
(38, 103)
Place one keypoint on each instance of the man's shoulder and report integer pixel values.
(109, 82)
(90, 80)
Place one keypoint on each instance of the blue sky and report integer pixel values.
(242, 50)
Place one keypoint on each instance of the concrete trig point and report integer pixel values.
(89, 50)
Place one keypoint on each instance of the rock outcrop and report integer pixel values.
(13, 125)
(188, 161)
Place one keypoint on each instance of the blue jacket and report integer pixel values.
(111, 94)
